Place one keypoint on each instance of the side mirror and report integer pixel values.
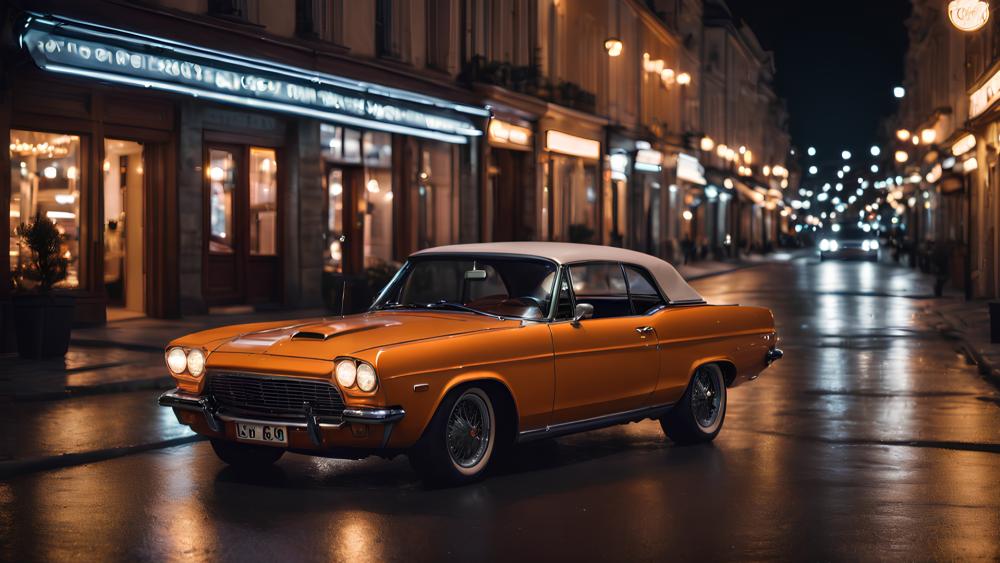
(583, 311)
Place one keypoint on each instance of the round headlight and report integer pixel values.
(834, 246)
(366, 378)
(866, 245)
(346, 373)
(196, 362)
(824, 245)
(874, 245)
(176, 360)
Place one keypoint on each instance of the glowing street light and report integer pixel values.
(902, 156)
(875, 150)
(928, 136)
(903, 135)
(813, 170)
(614, 46)
(846, 155)
(899, 92)
(811, 151)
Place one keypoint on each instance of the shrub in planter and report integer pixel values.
(43, 318)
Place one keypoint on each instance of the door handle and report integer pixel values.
(644, 330)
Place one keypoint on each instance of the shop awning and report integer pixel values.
(118, 56)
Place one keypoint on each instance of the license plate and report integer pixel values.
(261, 433)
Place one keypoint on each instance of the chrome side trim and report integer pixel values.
(604, 421)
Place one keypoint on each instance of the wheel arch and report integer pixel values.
(727, 365)
(505, 403)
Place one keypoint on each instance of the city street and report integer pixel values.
(872, 439)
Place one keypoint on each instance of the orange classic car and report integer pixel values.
(469, 350)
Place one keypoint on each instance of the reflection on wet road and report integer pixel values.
(871, 439)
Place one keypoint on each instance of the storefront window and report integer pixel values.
(222, 188)
(378, 198)
(263, 202)
(577, 193)
(435, 195)
(45, 181)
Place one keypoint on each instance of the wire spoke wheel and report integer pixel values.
(468, 431)
(706, 398)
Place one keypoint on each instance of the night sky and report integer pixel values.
(837, 64)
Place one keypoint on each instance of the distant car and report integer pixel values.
(848, 241)
(469, 349)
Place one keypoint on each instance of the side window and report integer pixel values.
(602, 285)
(564, 307)
(645, 296)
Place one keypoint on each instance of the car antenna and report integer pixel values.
(343, 296)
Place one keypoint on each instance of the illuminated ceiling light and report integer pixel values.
(846, 155)
(928, 136)
(902, 156)
(968, 15)
(899, 92)
(903, 135)
(743, 149)
(684, 79)
(613, 46)
(707, 144)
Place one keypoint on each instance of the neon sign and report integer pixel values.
(126, 58)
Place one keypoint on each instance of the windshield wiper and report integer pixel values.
(439, 305)
(459, 307)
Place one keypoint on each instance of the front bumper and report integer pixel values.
(216, 418)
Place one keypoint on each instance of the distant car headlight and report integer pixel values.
(834, 246)
(824, 245)
(874, 245)
(866, 245)
(196, 362)
(347, 373)
(367, 381)
(176, 360)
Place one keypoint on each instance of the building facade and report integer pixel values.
(198, 154)
(945, 138)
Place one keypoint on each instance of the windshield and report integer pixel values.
(850, 231)
(505, 287)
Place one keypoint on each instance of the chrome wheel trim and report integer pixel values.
(707, 398)
(469, 431)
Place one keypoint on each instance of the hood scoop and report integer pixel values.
(322, 333)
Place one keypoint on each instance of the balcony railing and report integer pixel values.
(528, 80)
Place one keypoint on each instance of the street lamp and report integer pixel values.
(899, 92)
(875, 150)
(613, 46)
(846, 155)
(902, 156)
(684, 79)
(812, 151)
(903, 135)
(928, 136)
(707, 144)
(813, 170)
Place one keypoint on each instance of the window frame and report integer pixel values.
(628, 289)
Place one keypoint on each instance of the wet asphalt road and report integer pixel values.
(872, 439)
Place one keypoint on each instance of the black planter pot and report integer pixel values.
(43, 324)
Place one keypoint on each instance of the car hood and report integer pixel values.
(339, 336)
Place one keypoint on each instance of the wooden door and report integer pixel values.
(224, 276)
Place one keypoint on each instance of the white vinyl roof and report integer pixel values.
(671, 283)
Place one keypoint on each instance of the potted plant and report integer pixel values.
(43, 318)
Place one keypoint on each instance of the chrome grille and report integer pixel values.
(257, 394)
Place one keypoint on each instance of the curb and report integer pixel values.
(724, 272)
(986, 366)
(31, 465)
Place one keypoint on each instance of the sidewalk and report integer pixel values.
(118, 357)
(968, 322)
(708, 268)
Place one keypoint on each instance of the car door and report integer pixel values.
(605, 364)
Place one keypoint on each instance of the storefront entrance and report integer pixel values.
(242, 263)
(124, 212)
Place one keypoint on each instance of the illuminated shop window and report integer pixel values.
(45, 180)
(263, 202)
(378, 198)
(222, 189)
